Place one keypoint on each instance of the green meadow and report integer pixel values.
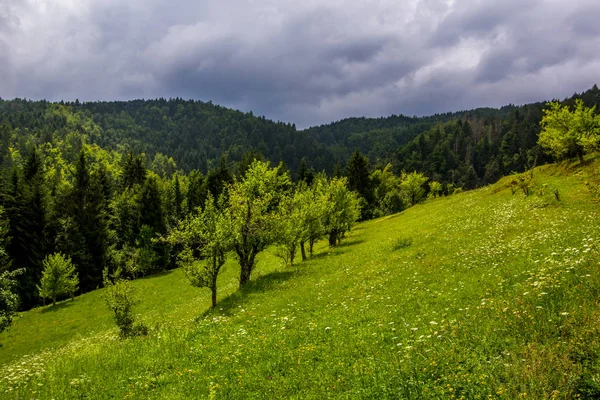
(482, 294)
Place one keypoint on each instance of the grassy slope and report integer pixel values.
(479, 294)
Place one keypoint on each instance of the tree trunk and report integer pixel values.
(292, 255)
(332, 239)
(303, 251)
(247, 265)
(311, 243)
(214, 294)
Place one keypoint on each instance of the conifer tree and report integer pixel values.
(359, 180)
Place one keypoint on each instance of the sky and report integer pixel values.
(305, 62)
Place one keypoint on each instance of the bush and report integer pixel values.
(120, 298)
(9, 300)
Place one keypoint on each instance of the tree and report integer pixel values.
(88, 207)
(342, 210)
(9, 299)
(25, 207)
(134, 171)
(412, 186)
(359, 180)
(567, 133)
(252, 207)
(197, 189)
(435, 188)
(311, 203)
(206, 239)
(290, 228)
(59, 277)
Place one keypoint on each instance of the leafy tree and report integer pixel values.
(387, 191)
(412, 187)
(567, 133)
(342, 210)
(252, 206)
(9, 299)
(290, 227)
(59, 277)
(311, 203)
(435, 188)
(206, 240)
(125, 216)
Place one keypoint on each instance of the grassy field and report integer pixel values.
(483, 294)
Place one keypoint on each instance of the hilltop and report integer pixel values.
(485, 293)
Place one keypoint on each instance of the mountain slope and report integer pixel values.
(479, 294)
(196, 134)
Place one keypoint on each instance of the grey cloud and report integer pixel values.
(303, 62)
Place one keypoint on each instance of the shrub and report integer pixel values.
(120, 298)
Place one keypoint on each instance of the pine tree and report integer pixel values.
(134, 171)
(359, 180)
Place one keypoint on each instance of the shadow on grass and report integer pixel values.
(158, 274)
(331, 251)
(348, 243)
(262, 284)
(57, 307)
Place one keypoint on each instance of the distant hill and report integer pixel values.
(196, 134)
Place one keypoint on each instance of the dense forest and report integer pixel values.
(106, 183)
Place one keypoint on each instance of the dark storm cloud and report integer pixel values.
(304, 62)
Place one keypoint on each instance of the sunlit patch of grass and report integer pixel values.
(483, 294)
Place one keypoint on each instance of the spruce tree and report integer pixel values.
(359, 180)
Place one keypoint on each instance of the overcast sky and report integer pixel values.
(307, 62)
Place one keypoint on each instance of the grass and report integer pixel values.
(479, 295)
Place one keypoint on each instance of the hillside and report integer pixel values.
(476, 295)
(197, 134)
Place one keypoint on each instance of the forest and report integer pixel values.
(104, 189)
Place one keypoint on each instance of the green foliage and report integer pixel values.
(59, 277)
(312, 205)
(402, 243)
(120, 297)
(567, 133)
(491, 300)
(9, 299)
(359, 180)
(206, 239)
(387, 195)
(292, 226)
(253, 203)
(435, 189)
(412, 187)
(342, 209)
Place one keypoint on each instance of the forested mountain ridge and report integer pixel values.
(197, 134)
